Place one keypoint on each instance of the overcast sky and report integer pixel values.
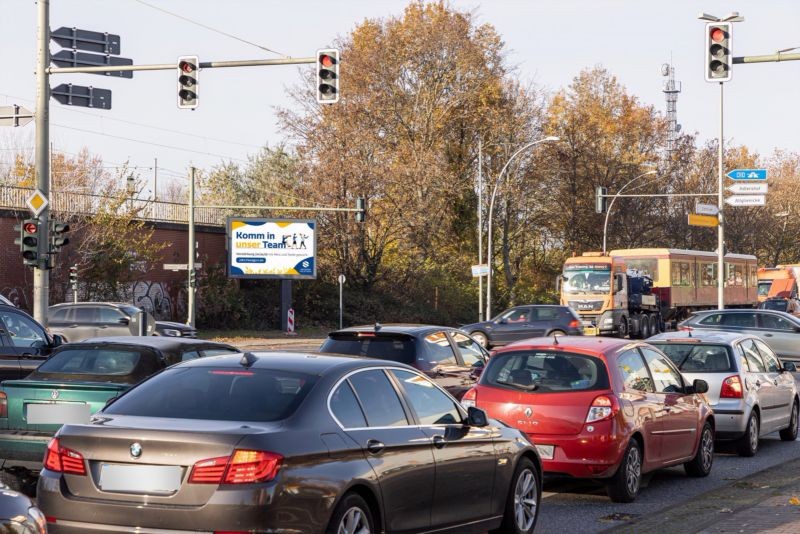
(549, 41)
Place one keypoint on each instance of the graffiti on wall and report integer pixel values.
(153, 297)
(16, 296)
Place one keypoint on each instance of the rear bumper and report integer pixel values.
(23, 445)
(257, 508)
(593, 454)
(730, 422)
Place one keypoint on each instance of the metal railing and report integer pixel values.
(77, 203)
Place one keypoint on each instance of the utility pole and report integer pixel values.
(192, 282)
(41, 275)
(480, 228)
(720, 206)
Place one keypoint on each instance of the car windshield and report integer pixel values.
(545, 372)
(763, 287)
(594, 279)
(93, 363)
(694, 358)
(129, 310)
(221, 394)
(383, 347)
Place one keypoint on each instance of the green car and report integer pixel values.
(74, 383)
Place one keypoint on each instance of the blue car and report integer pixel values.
(523, 322)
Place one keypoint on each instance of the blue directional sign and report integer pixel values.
(748, 174)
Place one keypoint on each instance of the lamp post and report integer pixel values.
(491, 210)
(611, 204)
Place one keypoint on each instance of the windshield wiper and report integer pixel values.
(532, 387)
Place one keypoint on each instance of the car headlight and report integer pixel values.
(41, 522)
(171, 332)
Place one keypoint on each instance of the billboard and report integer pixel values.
(272, 248)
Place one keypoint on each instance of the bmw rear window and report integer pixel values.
(99, 364)
(220, 394)
(545, 372)
(398, 348)
(696, 358)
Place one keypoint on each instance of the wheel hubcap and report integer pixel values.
(793, 423)
(633, 471)
(353, 522)
(753, 434)
(708, 450)
(525, 495)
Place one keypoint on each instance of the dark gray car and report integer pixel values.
(289, 442)
(780, 330)
(523, 322)
(19, 515)
(82, 320)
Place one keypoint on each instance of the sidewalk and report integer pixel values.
(767, 501)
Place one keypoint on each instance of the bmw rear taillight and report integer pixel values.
(574, 324)
(731, 388)
(603, 407)
(63, 460)
(242, 467)
(470, 398)
(3, 405)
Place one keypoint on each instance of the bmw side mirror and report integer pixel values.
(700, 386)
(124, 320)
(476, 417)
(57, 341)
(789, 367)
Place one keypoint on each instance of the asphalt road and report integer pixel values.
(585, 508)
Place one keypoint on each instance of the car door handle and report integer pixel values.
(439, 441)
(758, 383)
(375, 447)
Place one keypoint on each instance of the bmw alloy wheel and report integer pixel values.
(353, 522)
(525, 495)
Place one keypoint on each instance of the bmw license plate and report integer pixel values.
(545, 451)
(140, 478)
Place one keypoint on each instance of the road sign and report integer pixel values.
(748, 189)
(703, 220)
(746, 200)
(70, 58)
(15, 116)
(79, 95)
(37, 202)
(748, 174)
(102, 43)
(181, 266)
(480, 270)
(706, 209)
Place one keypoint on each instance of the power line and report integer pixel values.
(210, 28)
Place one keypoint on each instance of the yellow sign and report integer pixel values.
(703, 220)
(37, 202)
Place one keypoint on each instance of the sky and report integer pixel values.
(549, 42)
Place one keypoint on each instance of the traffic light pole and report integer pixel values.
(41, 280)
(192, 282)
(720, 206)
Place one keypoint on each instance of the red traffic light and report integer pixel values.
(327, 60)
(186, 66)
(718, 35)
(30, 228)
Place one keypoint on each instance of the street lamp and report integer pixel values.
(611, 204)
(491, 209)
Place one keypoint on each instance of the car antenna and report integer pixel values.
(248, 359)
(555, 339)
(377, 326)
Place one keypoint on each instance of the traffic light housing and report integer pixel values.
(57, 231)
(361, 206)
(600, 200)
(718, 51)
(73, 276)
(29, 241)
(328, 76)
(188, 67)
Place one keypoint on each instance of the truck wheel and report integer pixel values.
(623, 327)
(645, 326)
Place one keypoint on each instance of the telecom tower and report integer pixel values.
(671, 90)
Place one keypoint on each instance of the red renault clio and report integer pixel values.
(599, 408)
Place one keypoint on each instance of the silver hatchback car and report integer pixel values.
(751, 392)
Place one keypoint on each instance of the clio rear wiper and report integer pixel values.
(532, 387)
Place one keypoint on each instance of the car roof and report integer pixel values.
(115, 304)
(159, 342)
(760, 311)
(701, 336)
(302, 362)
(595, 344)
(393, 328)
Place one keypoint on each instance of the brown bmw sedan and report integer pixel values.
(287, 442)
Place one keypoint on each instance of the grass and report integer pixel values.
(234, 336)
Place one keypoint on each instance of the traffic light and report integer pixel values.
(187, 81)
(600, 200)
(29, 241)
(328, 76)
(73, 276)
(361, 206)
(718, 51)
(57, 231)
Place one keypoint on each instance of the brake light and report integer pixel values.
(470, 398)
(603, 407)
(3, 405)
(574, 324)
(731, 388)
(242, 467)
(63, 460)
